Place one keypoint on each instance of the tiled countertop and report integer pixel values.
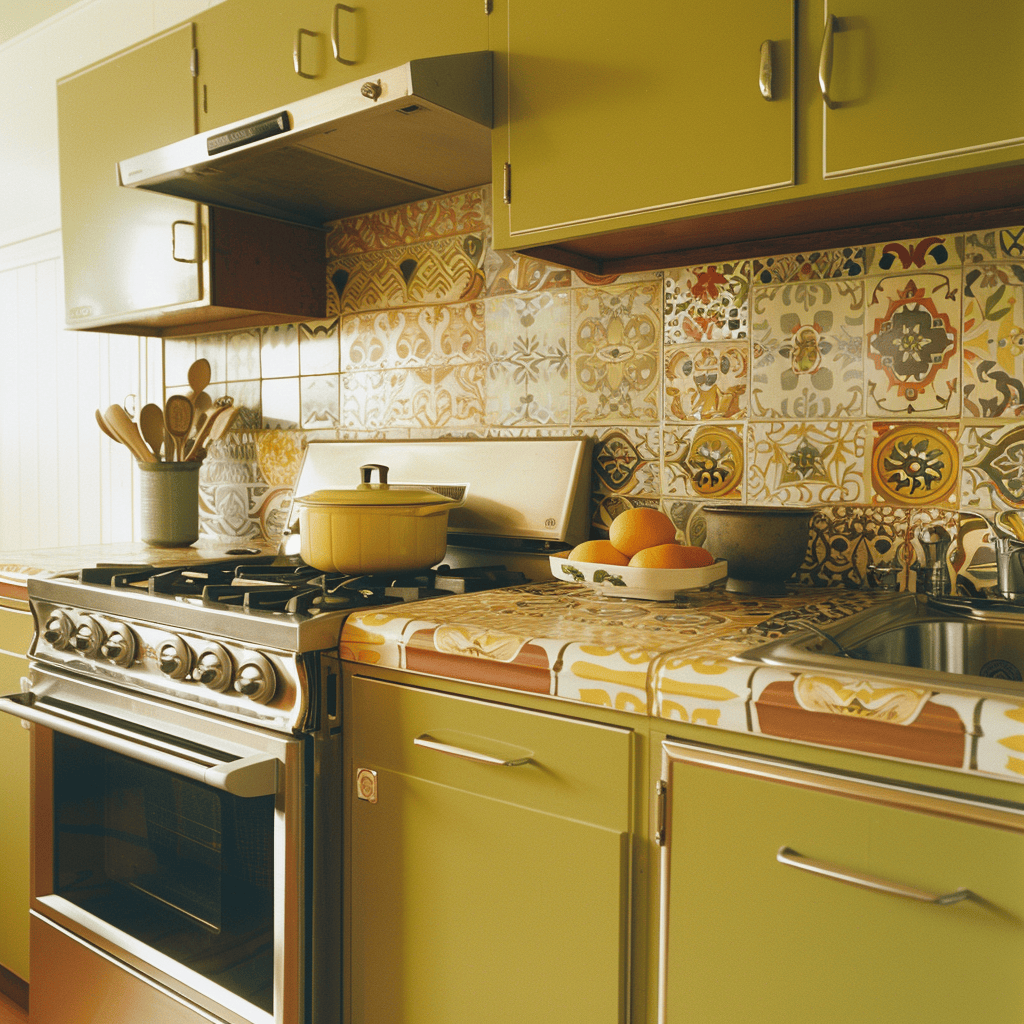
(670, 660)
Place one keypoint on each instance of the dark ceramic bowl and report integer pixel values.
(764, 546)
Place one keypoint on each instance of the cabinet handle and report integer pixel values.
(825, 62)
(174, 242)
(793, 859)
(764, 78)
(468, 755)
(335, 37)
(297, 52)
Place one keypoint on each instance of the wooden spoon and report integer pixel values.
(178, 421)
(202, 404)
(151, 422)
(198, 377)
(124, 429)
(106, 430)
(219, 414)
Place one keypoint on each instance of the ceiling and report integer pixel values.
(16, 15)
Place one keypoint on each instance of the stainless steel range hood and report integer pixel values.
(416, 131)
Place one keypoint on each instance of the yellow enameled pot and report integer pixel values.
(374, 527)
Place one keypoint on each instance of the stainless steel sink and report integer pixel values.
(913, 639)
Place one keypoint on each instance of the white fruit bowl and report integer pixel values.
(644, 584)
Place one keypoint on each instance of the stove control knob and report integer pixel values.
(88, 637)
(255, 678)
(213, 667)
(119, 646)
(57, 631)
(174, 657)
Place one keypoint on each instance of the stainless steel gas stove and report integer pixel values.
(186, 746)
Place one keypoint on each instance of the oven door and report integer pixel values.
(171, 842)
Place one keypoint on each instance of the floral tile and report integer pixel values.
(417, 336)
(706, 303)
(528, 355)
(993, 466)
(615, 352)
(995, 244)
(318, 347)
(435, 397)
(626, 460)
(704, 382)
(915, 464)
(363, 399)
(993, 340)
(445, 270)
(847, 541)
(913, 347)
(806, 463)
(934, 252)
(705, 462)
(508, 273)
(827, 263)
(807, 350)
(444, 216)
(319, 401)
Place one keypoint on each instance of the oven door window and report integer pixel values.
(178, 865)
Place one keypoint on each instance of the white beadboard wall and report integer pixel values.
(61, 481)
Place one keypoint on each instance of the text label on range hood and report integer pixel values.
(415, 131)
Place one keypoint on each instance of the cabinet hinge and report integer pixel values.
(488, 6)
(506, 184)
(661, 792)
(194, 62)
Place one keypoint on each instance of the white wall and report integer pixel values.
(60, 481)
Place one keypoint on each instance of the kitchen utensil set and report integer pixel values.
(193, 416)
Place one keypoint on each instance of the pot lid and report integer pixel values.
(381, 494)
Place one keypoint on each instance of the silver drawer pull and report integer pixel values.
(764, 78)
(825, 62)
(819, 867)
(336, 35)
(468, 755)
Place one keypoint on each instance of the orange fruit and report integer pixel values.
(641, 527)
(671, 556)
(600, 551)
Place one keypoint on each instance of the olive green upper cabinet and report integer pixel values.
(800, 895)
(624, 114)
(489, 861)
(254, 56)
(125, 250)
(920, 80)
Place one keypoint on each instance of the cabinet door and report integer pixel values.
(618, 109)
(485, 891)
(747, 937)
(15, 636)
(918, 80)
(248, 57)
(126, 250)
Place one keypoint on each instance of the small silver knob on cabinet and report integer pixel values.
(213, 667)
(372, 90)
(255, 679)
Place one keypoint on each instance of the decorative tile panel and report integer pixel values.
(993, 340)
(615, 350)
(915, 464)
(845, 540)
(806, 463)
(913, 365)
(705, 462)
(626, 460)
(827, 263)
(507, 273)
(704, 382)
(935, 251)
(706, 303)
(993, 467)
(807, 350)
(318, 347)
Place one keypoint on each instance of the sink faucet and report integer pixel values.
(932, 574)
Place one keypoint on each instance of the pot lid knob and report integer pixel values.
(367, 471)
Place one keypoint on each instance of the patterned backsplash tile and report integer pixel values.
(880, 383)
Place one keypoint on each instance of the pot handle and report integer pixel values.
(367, 471)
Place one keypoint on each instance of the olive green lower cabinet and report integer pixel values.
(16, 630)
(758, 923)
(489, 865)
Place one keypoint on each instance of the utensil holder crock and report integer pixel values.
(170, 503)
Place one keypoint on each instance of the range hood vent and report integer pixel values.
(416, 131)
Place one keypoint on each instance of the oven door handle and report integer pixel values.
(251, 776)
